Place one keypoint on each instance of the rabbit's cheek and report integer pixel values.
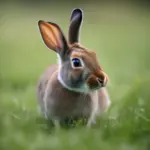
(76, 78)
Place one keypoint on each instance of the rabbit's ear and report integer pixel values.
(75, 23)
(53, 36)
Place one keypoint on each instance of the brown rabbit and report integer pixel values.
(76, 86)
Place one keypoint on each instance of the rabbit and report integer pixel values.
(76, 86)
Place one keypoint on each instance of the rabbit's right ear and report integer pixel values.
(75, 23)
(53, 37)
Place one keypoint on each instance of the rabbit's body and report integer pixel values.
(62, 103)
(76, 86)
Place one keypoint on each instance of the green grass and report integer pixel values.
(121, 40)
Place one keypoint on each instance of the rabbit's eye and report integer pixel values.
(76, 62)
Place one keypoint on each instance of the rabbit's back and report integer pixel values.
(42, 84)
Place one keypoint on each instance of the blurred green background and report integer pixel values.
(118, 31)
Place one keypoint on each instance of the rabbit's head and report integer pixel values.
(79, 68)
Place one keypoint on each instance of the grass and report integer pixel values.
(121, 40)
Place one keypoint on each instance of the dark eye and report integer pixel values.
(76, 62)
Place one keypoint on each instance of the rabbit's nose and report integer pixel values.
(101, 77)
(102, 81)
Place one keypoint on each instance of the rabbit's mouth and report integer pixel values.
(94, 88)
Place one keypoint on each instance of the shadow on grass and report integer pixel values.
(67, 124)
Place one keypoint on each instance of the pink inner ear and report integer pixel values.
(51, 35)
(48, 35)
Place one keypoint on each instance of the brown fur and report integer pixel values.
(90, 59)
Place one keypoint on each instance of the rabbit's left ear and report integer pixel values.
(53, 37)
(75, 23)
